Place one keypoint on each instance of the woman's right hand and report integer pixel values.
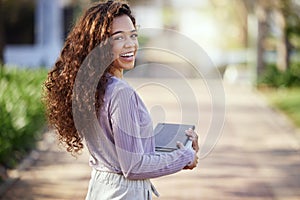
(193, 164)
(195, 161)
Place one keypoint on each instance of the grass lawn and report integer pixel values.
(286, 100)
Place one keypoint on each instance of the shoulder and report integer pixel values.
(120, 88)
(118, 85)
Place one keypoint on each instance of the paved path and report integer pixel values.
(257, 157)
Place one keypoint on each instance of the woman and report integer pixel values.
(122, 149)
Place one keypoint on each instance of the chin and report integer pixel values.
(128, 66)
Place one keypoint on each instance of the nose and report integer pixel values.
(129, 42)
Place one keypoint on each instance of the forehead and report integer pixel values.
(122, 23)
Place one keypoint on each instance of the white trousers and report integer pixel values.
(111, 186)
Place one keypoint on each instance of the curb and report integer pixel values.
(14, 175)
(7, 184)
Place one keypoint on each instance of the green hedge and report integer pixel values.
(273, 77)
(283, 89)
(21, 112)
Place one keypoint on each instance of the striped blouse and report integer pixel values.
(126, 144)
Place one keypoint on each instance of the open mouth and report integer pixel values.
(127, 55)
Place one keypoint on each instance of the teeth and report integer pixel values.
(127, 54)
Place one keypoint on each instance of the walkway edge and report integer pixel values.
(14, 175)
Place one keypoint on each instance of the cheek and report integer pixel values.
(116, 49)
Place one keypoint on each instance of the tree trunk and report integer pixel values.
(261, 13)
(282, 41)
(242, 12)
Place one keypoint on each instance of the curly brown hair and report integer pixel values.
(92, 30)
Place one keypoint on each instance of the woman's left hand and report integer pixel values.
(194, 137)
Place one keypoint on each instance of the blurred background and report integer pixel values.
(233, 32)
(253, 43)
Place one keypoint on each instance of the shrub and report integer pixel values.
(273, 77)
(21, 112)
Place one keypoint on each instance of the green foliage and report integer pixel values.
(21, 112)
(273, 77)
(287, 100)
(283, 89)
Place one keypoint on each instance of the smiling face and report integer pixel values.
(124, 44)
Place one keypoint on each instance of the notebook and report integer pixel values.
(167, 135)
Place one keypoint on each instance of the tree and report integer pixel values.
(262, 17)
(242, 10)
(287, 24)
(281, 10)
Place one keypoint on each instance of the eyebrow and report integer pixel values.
(123, 32)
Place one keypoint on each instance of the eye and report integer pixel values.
(134, 35)
(118, 37)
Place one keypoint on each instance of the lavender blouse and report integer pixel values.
(125, 144)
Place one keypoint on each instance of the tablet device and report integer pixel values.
(167, 135)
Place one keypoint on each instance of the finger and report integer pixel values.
(192, 136)
(189, 130)
(180, 145)
(189, 133)
(195, 145)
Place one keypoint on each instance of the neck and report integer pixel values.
(117, 72)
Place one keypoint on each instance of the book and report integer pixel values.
(167, 135)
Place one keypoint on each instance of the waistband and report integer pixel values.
(107, 175)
